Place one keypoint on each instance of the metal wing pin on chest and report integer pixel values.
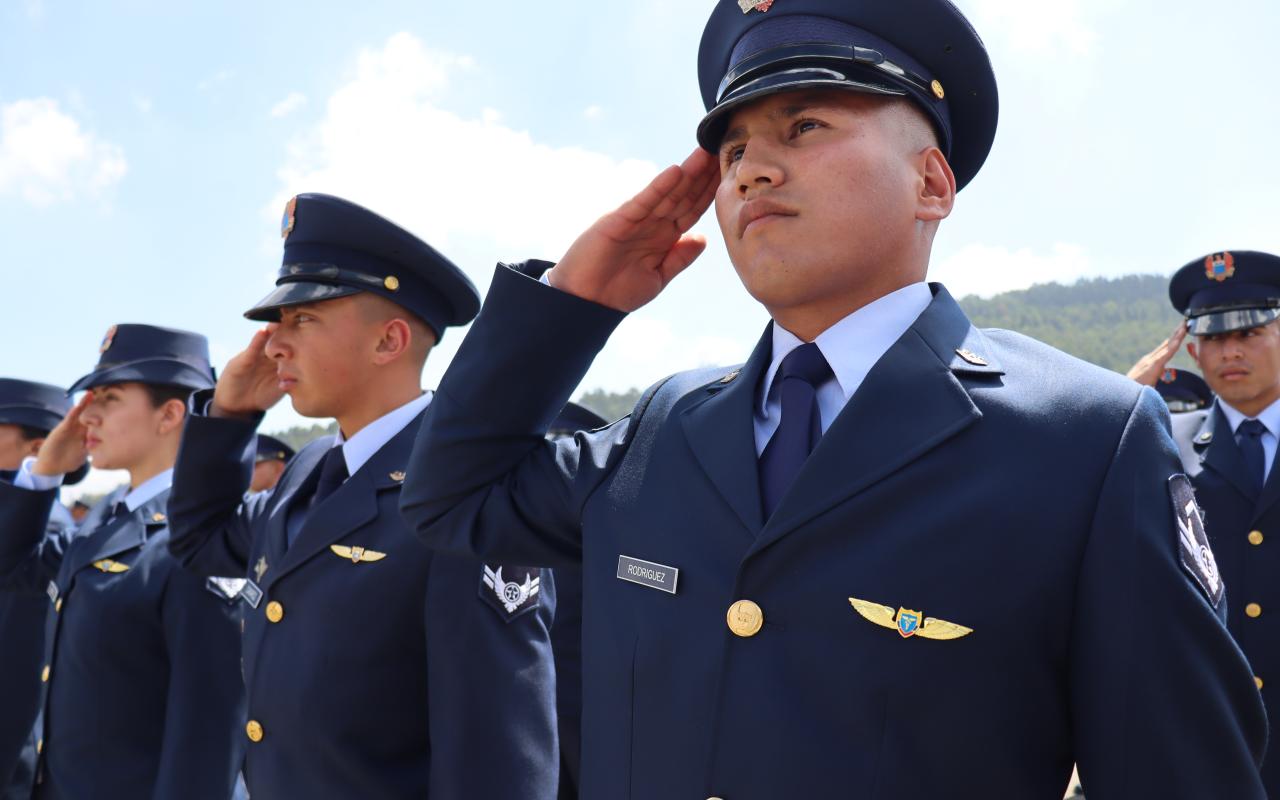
(908, 623)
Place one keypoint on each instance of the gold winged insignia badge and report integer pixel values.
(107, 565)
(908, 623)
(356, 554)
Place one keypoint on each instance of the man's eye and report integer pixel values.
(732, 154)
(806, 125)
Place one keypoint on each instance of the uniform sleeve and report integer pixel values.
(205, 708)
(483, 480)
(1164, 702)
(491, 684)
(31, 549)
(210, 522)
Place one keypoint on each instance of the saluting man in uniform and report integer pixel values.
(1231, 301)
(374, 667)
(28, 411)
(892, 555)
(140, 692)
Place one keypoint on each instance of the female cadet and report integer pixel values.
(140, 688)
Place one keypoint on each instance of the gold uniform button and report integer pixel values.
(40, 747)
(745, 618)
(1253, 610)
(1255, 537)
(57, 607)
(44, 674)
(275, 611)
(253, 730)
(1258, 681)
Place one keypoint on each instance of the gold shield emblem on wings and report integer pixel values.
(356, 554)
(908, 623)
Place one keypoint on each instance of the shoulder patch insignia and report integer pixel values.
(1193, 545)
(227, 589)
(513, 594)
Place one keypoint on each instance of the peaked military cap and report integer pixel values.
(150, 354)
(574, 417)
(922, 50)
(335, 248)
(272, 449)
(1183, 390)
(31, 404)
(1227, 291)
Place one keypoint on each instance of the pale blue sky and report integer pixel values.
(147, 147)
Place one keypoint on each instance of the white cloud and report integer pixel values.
(47, 157)
(985, 270)
(290, 104)
(387, 142)
(592, 112)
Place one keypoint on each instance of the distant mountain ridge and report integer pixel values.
(1111, 322)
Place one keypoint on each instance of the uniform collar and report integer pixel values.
(139, 497)
(1270, 417)
(853, 345)
(360, 448)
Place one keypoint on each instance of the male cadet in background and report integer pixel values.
(269, 461)
(1232, 302)
(375, 667)
(140, 695)
(1183, 391)
(28, 411)
(976, 576)
(566, 633)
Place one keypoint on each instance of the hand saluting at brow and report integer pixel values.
(629, 255)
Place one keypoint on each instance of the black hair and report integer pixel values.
(30, 433)
(161, 393)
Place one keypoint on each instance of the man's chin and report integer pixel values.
(309, 407)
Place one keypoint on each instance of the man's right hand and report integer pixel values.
(248, 386)
(63, 450)
(629, 255)
(1151, 366)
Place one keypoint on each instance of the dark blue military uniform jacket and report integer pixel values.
(22, 620)
(1017, 491)
(141, 695)
(374, 667)
(1244, 528)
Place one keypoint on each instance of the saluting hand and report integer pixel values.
(249, 384)
(63, 450)
(629, 255)
(1151, 366)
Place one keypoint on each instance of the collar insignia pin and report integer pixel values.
(260, 568)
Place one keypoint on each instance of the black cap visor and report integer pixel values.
(712, 128)
(29, 417)
(1209, 322)
(296, 293)
(166, 372)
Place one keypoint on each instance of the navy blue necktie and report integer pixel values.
(799, 376)
(1250, 432)
(333, 473)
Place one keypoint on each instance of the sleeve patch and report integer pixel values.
(1193, 545)
(511, 591)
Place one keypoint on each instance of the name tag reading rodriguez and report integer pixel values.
(647, 573)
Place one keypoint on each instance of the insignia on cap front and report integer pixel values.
(1169, 376)
(107, 340)
(290, 218)
(748, 6)
(1219, 266)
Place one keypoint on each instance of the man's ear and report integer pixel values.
(396, 338)
(1194, 352)
(937, 193)
(32, 447)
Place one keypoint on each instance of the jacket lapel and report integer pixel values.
(353, 505)
(1216, 443)
(292, 495)
(124, 533)
(910, 402)
(721, 432)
